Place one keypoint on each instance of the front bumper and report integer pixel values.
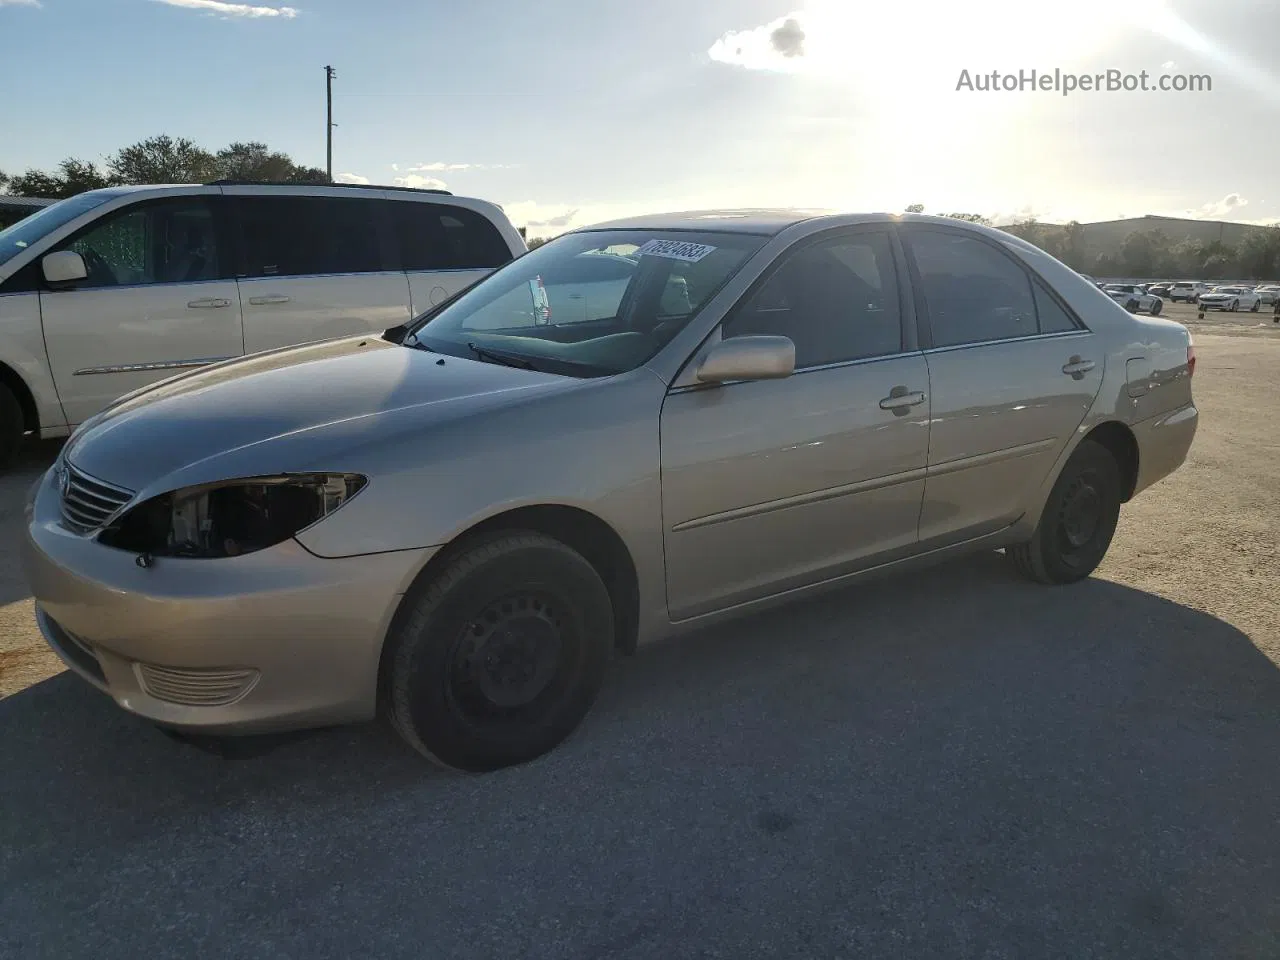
(277, 639)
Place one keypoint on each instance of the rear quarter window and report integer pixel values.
(441, 236)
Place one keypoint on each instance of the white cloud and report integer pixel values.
(1219, 209)
(350, 178)
(420, 182)
(20, 3)
(438, 167)
(234, 9)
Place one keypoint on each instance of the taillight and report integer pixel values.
(1191, 359)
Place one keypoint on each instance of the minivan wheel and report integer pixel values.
(497, 659)
(12, 426)
(1078, 521)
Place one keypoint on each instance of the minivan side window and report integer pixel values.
(170, 241)
(972, 292)
(309, 236)
(443, 236)
(837, 300)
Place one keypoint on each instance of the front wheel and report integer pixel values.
(1235, 305)
(1156, 307)
(1254, 308)
(1078, 521)
(498, 659)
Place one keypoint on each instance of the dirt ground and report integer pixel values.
(1205, 538)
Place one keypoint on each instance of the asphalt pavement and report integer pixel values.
(952, 764)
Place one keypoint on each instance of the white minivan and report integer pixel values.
(114, 289)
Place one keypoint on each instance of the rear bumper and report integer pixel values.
(272, 640)
(1163, 444)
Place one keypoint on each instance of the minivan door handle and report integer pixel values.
(900, 399)
(1077, 368)
(260, 301)
(209, 302)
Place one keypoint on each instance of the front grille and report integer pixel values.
(195, 688)
(87, 502)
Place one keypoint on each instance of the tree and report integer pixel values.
(71, 177)
(1259, 253)
(914, 208)
(970, 218)
(254, 161)
(163, 159)
(4, 179)
(536, 242)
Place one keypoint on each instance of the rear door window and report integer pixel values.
(442, 236)
(310, 236)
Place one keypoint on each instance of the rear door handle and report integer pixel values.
(900, 398)
(209, 302)
(261, 301)
(1077, 367)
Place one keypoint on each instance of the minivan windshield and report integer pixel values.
(28, 230)
(588, 304)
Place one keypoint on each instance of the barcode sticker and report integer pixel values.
(675, 250)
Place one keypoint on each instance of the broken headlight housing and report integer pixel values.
(230, 518)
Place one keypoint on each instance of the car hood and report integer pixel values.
(287, 410)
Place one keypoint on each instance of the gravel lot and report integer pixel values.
(951, 764)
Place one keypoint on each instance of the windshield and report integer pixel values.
(589, 304)
(28, 230)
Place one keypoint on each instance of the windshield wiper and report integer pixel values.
(506, 359)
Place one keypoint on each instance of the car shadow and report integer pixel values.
(953, 763)
(15, 479)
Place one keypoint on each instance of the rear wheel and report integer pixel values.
(1254, 308)
(1078, 521)
(12, 426)
(1156, 307)
(1235, 305)
(497, 659)
(1132, 306)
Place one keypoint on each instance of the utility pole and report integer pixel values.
(329, 74)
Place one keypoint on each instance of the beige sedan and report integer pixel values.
(458, 523)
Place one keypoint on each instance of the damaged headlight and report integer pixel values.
(230, 518)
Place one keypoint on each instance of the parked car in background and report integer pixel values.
(1268, 293)
(459, 523)
(1160, 289)
(1187, 291)
(1230, 299)
(114, 289)
(1134, 298)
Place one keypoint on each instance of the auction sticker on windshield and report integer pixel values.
(675, 250)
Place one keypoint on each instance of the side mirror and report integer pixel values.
(748, 358)
(65, 266)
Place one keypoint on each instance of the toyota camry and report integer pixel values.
(457, 523)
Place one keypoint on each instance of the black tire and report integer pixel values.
(12, 426)
(1132, 306)
(1235, 305)
(1156, 307)
(1067, 546)
(541, 616)
(1254, 308)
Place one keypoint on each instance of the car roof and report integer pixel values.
(338, 189)
(769, 221)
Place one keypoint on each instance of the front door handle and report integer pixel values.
(260, 301)
(900, 398)
(1077, 368)
(209, 302)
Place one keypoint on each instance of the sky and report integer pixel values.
(569, 112)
